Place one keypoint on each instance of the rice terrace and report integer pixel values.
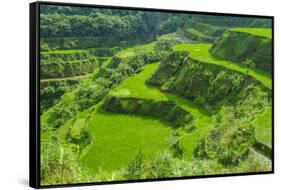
(128, 95)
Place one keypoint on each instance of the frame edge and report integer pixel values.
(34, 148)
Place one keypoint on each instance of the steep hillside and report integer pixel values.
(74, 62)
(202, 32)
(242, 44)
(204, 83)
(229, 92)
(201, 53)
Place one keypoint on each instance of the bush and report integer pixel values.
(161, 166)
(59, 163)
(135, 168)
(175, 145)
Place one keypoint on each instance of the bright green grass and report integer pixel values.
(203, 122)
(64, 51)
(117, 138)
(263, 124)
(264, 32)
(77, 127)
(201, 53)
(133, 50)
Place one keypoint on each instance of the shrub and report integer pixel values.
(59, 163)
(161, 166)
(135, 168)
(175, 145)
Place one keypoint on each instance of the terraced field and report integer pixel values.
(263, 32)
(204, 120)
(130, 99)
(201, 53)
(63, 52)
(128, 52)
(148, 134)
(143, 129)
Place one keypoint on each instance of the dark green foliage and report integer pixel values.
(261, 23)
(66, 43)
(161, 167)
(165, 44)
(242, 46)
(229, 145)
(263, 149)
(202, 83)
(230, 141)
(228, 21)
(70, 104)
(74, 28)
(207, 29)
(251, 100)
(190, 128)
(51, 91)
(135, 168)
(165, 165)
(47, 57)
(175, 145)
(249, 63)
(66, 65)
(172, 24)
(208, 84)
(112, 25)
(92, 91)
(61, 112)
(234, 134)
(168, 69)
(235, 146)
(88, 95)
(99, 24)
(67, 69)
(58, 163)
(102, 60)
(82, 139)
(198, 36)
(166, 110)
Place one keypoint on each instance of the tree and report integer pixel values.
(250, 64)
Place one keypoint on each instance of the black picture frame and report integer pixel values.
(34, 93)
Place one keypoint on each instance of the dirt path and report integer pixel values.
(66, 78)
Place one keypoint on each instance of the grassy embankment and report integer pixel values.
(263, 32)
(201, 53)
(263, 121)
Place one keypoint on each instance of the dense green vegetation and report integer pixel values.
(246, 44)
(145, 95)
(197, 35)
(201, 53)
